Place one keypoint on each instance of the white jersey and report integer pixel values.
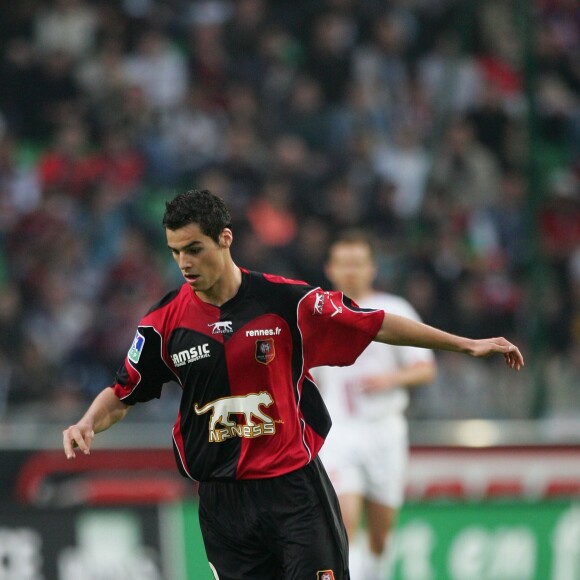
(341, 386)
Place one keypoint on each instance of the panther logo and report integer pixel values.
(221, 327)
(248, 405)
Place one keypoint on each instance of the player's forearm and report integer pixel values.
(402, 331)
(106, 410)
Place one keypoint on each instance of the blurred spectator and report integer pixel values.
(405, 163)
(208, 60)
(19, 99)
(467, 172)
(306, 115)
(58, 94)
(329, 58)
(380, 67)
(242, 36)
(101, 75)
(451, 79)
(271, 215)
(194, 135)
(158, 68)
(66, 25)
(308, 251)
(131, 281)
(490, 122)
(70, 166)
(244, 156)
(341, 204)
(20, 190)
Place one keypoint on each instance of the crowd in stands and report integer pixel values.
(409, 118)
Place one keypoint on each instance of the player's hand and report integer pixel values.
(80, 436)
(487, 346)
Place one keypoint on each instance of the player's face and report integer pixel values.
(201, 259)
(351, 268)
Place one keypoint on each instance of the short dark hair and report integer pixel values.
(354, 236)
(201, 207)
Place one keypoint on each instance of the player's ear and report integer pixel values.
(226, 238)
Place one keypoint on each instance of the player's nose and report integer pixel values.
(184, 262)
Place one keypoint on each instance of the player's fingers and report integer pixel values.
(76, 437)
(513, 357)
(84, 442)
(89, 441)
(68, 443)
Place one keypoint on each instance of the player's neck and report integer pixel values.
(225, 288)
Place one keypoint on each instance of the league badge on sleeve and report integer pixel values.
(325, 575)
(265, 351)
(136, 348)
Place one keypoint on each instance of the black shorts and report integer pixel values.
(282, 528)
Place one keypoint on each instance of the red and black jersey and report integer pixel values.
(249, 408)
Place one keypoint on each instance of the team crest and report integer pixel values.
(265, 351)
(325, 575)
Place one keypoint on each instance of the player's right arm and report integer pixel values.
(402, 331)
(106, 410)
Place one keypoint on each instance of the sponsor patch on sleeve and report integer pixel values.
(136, 348)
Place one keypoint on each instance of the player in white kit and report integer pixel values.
(366, 451)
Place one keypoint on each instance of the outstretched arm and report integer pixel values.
(406, 332)
(106, 410)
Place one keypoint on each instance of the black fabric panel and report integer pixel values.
(165, 300)
(204, 380)
(153, 370)
(314, 410)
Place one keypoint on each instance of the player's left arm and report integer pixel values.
(402, 331)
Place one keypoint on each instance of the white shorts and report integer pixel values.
(369, 459)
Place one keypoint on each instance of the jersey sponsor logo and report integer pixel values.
(318, 304)
(136, 349)
(265, 351)
(337, 309)
(264, 332)
(247, 405)
(221, 327)
(190, 355)
(320, 301)
(325, 575)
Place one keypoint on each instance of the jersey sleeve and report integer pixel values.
(334, 329)
(143, 372)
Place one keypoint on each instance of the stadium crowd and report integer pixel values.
(409, 118)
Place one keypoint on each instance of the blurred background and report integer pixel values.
(448, 128)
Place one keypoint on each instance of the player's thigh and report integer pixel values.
(232, 532)
(310, 548)
(309, 531)
(238, 561)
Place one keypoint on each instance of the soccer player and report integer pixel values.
(251, 421)
(366, 451)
